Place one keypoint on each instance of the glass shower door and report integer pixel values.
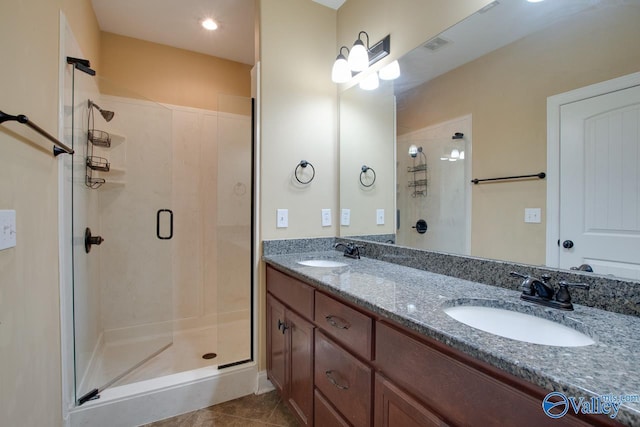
(122, 230)
(234, 229)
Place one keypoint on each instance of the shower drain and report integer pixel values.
(209, 356)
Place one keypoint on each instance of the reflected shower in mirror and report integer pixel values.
(488, 78)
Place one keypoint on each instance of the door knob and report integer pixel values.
(567, 244)
(421, 226)
(90, 240)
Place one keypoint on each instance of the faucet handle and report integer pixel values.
(563, 294)
(516, 274)
(579, 285)
(545, 277)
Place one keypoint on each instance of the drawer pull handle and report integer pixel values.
(335, 382)
(337, 322)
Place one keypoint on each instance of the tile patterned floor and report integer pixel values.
(250, 411)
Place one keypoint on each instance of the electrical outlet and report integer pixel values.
(326, 217)
(345, 217)
(7, 229)
(282, 218)
(532, 215)
(380, 216)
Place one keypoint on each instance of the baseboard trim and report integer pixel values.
(264, 385)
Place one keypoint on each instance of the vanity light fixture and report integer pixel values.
(341, 73)
(359, 58)
(370, 82)
(359, 55)
(209, 24)
(390, 71)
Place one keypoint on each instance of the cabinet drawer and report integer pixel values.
(344, 380)
(324, 414)
(292, 292)
(350, 327)
(462, 394)
(394, 408)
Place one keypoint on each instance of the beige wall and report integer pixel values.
(30, 385)
(170, 75)
(298, 121)
(506, 92)
(80, 15)
(298, 107)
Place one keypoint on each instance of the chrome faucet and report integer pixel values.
(540, 292)
(351, 250)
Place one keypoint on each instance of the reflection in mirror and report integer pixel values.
(367, 123)
(489, 78)
(432, 187)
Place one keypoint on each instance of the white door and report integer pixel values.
(600, 183)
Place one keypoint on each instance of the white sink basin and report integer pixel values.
(326, 263)
(518, 326)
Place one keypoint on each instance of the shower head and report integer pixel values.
(108, 115)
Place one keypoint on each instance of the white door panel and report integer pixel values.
(600, 183)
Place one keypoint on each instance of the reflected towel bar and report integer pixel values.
(21, 118)
(540, 175)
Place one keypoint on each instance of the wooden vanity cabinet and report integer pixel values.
(290, 342)
(422, 379)
(339, 365)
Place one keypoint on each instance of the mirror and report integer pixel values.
(487, 78)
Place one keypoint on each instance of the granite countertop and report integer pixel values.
(416, 299)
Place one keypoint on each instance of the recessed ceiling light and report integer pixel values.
(534, 1)
(209, 24)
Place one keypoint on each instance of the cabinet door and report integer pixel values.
(276, 345)
(301, 366)
(395, 408)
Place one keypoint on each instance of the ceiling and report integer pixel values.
(177, 23)
(484, 31)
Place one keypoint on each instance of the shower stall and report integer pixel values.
(159, 232)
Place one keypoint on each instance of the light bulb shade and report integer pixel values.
(455, 153)
(358, 57)
(413, 151)
(390, 71)
(462, 155)
(370, 82)
(341, 73)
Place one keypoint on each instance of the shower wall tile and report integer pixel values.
(209, 182)
(187, 192)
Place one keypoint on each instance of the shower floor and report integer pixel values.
(230, 341)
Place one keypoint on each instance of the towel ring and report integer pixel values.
(303, 164)
(363, 172)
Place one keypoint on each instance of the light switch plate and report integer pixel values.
(7, 229)
(532, 215)
(326, 217)
(282, 218)
(345, 217)
(380, 216)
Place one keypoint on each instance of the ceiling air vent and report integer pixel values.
(436, 43)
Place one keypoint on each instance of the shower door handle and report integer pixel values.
(158, 216)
